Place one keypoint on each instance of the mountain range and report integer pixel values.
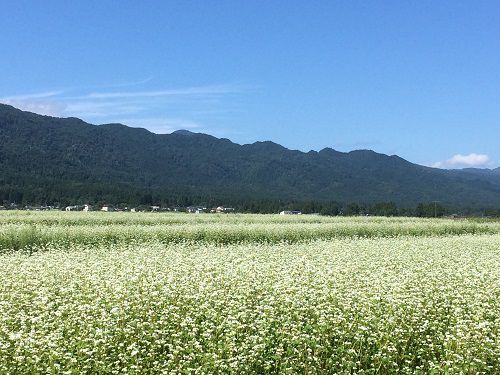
(48, 159)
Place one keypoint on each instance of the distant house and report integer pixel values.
(107, 208)
(155, 208)
(196, 209)
(225, 210)
(296, 212)
(87, 207)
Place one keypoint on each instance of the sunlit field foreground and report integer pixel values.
(116, 293)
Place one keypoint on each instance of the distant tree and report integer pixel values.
(384, 209)
(432, 209)
(330, 209)
(492, 212)
(146, 199)
(352, 209)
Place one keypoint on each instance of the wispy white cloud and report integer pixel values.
(38, 95)
(44, 103)
(42, 107)
(189, 91)
(158, 110)
(464, 161)
(96, 110)
(120, 84)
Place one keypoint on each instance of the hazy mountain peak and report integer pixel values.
(183, 132)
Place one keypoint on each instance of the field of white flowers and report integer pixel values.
(154, 293)
(23, 230)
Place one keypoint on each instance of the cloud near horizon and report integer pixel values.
(471, 160)
(42, 103)
(158, 110)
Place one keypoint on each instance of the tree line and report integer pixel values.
(118, 197)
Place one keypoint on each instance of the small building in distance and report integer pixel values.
(295, 212)
(224, 210)
(87, 207)
(196, 209)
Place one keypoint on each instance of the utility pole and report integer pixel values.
(435, 208)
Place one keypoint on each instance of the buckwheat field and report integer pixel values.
(115, 293)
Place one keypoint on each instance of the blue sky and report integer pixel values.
(419, 79)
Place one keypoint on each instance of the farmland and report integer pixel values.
(177, 293)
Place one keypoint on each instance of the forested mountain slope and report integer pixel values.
(47, 159)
